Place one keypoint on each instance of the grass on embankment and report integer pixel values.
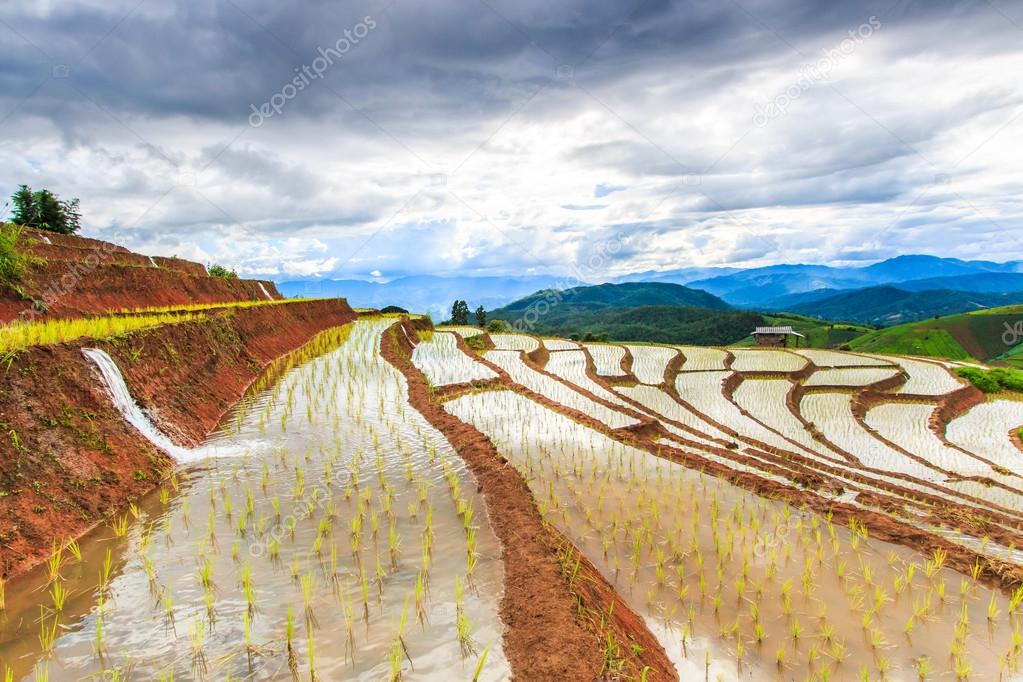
(17, 336)
(993, 380)
(13, 260)
(196, 307)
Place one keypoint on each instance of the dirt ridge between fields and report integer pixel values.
(547, 635)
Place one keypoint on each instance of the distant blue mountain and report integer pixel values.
(985, 282)
(889, 305)
(771, 288)
(679, 276)
(768, 286)
(426, 293)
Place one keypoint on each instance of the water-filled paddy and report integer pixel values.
(346, 540)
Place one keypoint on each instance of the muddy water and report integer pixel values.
(737, 586)
(340, 472)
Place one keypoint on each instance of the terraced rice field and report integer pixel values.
(851, 376)
(767, 514)
(515, 342)
(559, 392)
(926, 378)
(831, 358)
(346, 542)
(734, 585)
(443, 363)
(699, 359)
(649, 363)
(464, 332)
(749, 360)
(607, 359)
(896, 454)
(559, 344)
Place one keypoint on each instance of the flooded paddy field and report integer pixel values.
(340, 538)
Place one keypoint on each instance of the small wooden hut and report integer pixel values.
(776, 337)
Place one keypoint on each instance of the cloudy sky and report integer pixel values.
(601, 137)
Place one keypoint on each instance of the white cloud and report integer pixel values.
(465, 152)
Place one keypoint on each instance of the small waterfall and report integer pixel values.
(153, 262)
(218, 446)
(46, 240)
(127, 406)
(265, 292)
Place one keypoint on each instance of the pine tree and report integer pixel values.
(25, 210)
(43, 210)
(481, 317)
(460, 313)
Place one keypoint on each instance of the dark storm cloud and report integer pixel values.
(654, 97)
(213, 59)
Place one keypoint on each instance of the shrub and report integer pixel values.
(476, 342)
(221, 272)
(12, 260)
(498, 327)
(993, 380)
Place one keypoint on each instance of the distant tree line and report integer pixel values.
(460, 316)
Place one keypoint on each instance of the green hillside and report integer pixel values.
(628, 295)
(651, 324)
(656, 312)
(888, 305)
(987, 335)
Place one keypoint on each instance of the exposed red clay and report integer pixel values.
(67, 457)
(77, 276)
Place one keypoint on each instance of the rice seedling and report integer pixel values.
(308, 583)
(47, 631)
(200, 664)
(120, 526)
(58, 593)
(289, 638)
(54, 562)
(76, 551)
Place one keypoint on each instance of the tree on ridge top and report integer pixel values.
(44, 210)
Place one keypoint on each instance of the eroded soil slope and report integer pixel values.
(68, 458)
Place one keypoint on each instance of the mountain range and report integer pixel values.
(897, 290)
(423, 293)
(658, 312)
(768, 286)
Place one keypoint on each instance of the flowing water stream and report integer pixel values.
(327, 531)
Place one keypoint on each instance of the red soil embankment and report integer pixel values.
(68, 458)
(551, 622)
(75, 276)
